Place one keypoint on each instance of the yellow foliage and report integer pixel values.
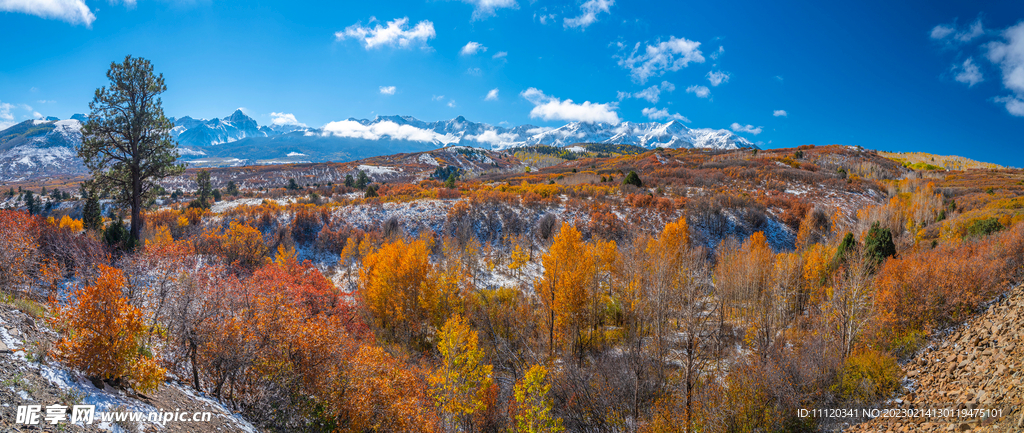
(72, 224)
(392, 277)
(461, 380)
(161, 238)
(566, 288)
(533, 404)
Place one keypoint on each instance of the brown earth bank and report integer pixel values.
(26, 381)
(973, 372)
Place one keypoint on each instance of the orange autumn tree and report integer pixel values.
(104, 336)
(567, 286)
(392, 278)
(241, 245)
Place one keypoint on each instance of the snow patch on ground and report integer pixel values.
(378, 170)
(290, 154)
(224, 206)
(184, 151)
(427, 159)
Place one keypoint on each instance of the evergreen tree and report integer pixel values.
(371, 191)
(203, 188)
(292, 185)
(878, 245)
(216, 194)
(31, 203)
(349, 181)
(450, 182)
(232, 189)
(126, 141)
(117, 236)
(92, 217)
(632, 179)
(362, 180)
(845, 247)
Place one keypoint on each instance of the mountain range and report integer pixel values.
(36, 148)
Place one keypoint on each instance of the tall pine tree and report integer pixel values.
(126, 142)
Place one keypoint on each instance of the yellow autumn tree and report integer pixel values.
(461, 381)
(392, 278)
(566, 288)
(104, 335)
(243, 245)
(161, 238)
(72, 224)
(533, 403)
(519, 259)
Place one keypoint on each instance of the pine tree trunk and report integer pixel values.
(136, 205)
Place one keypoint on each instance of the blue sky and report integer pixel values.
(942, 77)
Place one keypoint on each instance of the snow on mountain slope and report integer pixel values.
(239, 139)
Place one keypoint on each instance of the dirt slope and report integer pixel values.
(976, 367)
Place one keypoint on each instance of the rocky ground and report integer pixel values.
(975, 370)
(28, 378)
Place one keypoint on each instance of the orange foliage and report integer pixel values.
(18, 248)
(392, 278)
(103, 334)
(567, 285)
(240, 245)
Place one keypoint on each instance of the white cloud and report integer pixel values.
(943, 31)
(387, 90)
(284, 119)
(492, 95)
(779, 77)
(1014, 105)
(969, 73)
(70, 11)
(716, 54)
(700, 91)
(780, 113)
(437, 97)
(551, 108)
(353, 129)
(491, 137)
(37, 115)
(588, 13)
(671, 55)
(472, 48)
(746, 128)
(6, 118)
(500, 55)
(45, 101)
(651, 94)
(486, 8)
(396, 33)
(717, 78)
(474, 71)
(1008, 54)
(451, 103)
(656, 114)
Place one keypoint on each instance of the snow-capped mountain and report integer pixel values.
(459, 131)
(237, 126)
(46, 147)
(40, 148)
